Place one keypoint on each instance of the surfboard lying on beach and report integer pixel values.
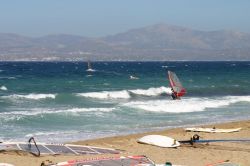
(110, 161)
(213, 130)
(52, 149)
(5, 164)
(159, 140)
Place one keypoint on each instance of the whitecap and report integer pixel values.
(123, 94)
(126, 94)
(152, 91)
(31, 96)
(38, 111)
(3, 88)
(48, 133)
(185, 105)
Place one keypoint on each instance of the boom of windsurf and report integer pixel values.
(177, 89)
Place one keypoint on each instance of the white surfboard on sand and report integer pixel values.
(212, 130)
(159, 140)
(5, 164)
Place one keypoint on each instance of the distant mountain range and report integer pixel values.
(159, 42)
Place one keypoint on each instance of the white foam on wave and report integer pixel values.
(55, 136)
(126, 94)
(40, 133)
(38, 111)
(31, 96)
(152, 91)
(185, 105)
(3, 88)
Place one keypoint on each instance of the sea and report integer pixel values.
(64, 102)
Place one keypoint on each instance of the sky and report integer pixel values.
(95, 18)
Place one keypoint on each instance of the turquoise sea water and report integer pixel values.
(61, 101)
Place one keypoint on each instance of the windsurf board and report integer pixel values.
(159, 140)
(5, 164)
(213, 130)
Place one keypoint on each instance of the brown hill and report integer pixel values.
(157, 42)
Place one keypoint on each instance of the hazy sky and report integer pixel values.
(101, 17)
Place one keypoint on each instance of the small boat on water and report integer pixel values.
(133, 77)
(90, 67)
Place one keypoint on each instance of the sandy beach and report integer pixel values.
(197, 155)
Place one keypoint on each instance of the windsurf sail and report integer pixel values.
(175, 84)
(110, 161)
(53, 148)
(90, 67)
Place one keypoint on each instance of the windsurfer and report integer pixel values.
(176, 87)
(174, 95)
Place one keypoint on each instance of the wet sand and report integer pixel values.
(196, 155)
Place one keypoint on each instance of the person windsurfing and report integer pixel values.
(176, 87)
(174, 95)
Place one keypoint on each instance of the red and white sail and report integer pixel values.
(175, 84)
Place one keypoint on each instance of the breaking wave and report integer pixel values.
(186, 105)
(126, 94)
(37, 111)
(51, 133)
(31, 96)
(152, 91)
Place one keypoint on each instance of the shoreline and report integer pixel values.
(198, 155)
